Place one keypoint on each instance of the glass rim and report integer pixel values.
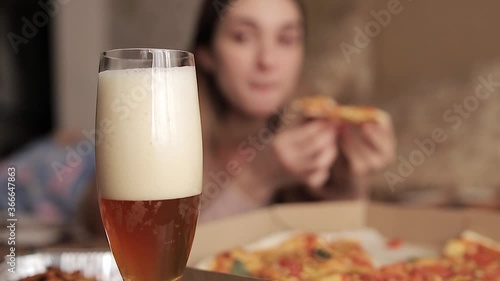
(108, 53)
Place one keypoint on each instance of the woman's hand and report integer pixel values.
(306, 151)
(368, 148)
(364, 150)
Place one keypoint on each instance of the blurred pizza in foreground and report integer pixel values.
(56, 274)
(302, 257)
(308, 257)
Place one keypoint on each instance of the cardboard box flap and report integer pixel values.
(484, 222)
(320, 216)
(423, 226)
(243, 229)
(235, 231)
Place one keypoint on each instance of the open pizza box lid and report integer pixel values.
(422, 226)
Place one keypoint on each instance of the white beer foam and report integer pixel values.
(151, 146)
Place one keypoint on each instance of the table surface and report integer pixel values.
(198, 275)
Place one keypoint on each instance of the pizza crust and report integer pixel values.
(327, 108)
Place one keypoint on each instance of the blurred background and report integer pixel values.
(419, 63)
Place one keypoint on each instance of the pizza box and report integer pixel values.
(428, 227)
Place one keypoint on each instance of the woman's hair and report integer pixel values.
(212, 13)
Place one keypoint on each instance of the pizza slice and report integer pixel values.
(56, 274)
(328, 108)
(421, 269)
(469, 257)
(308, 257)
(475, 249)
(371, 275)
(304, 256)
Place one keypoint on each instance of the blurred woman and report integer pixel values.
(250, 55)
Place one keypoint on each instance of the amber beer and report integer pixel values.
(151, 240)
(149, 166)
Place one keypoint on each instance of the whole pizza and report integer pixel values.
(308, 257)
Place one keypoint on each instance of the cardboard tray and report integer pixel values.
(430, 227)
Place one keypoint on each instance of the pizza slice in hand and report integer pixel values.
(327, 108)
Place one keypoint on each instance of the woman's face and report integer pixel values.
(257, 54)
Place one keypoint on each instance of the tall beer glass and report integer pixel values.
(149, 160)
